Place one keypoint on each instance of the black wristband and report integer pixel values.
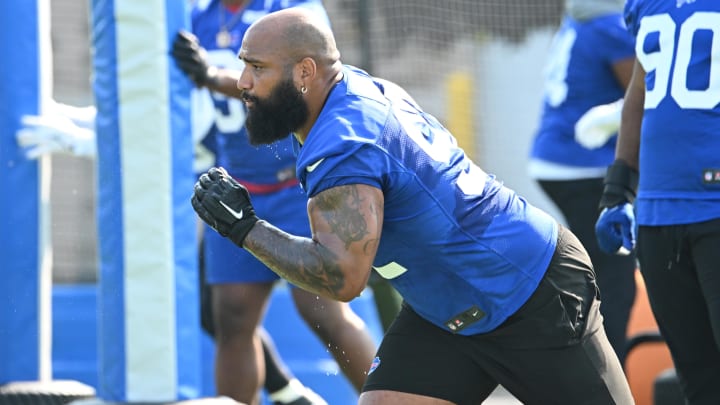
(241, 229)
(621, 181)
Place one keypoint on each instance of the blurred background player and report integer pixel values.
(670, 132)
(589, 67)
(240, 284)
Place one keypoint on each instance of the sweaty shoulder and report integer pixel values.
(352, 120)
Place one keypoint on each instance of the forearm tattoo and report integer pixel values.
(303, 261)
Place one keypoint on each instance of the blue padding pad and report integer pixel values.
(75, 333)
(75, 342)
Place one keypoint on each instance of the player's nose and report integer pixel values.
(244, 82)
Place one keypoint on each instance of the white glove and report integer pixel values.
(71, 130)
(83, 117)
(65, 129)
(598, 125)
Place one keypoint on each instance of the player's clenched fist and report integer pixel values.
(224, 204)
(615, 229)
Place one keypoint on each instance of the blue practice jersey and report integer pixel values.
(579, 76)
(221, 32)
(678, 45)
(453, 237)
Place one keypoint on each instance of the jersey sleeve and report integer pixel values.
(345, 145)
(364, 164)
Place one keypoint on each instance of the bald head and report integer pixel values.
(295, 33)
(291, 65)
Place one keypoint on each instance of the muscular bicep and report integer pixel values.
(348, 220)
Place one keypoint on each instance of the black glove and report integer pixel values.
(191, 58)
(224, 204)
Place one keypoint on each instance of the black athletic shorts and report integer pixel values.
(553, 350)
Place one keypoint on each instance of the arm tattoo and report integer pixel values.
(305, 262)
(301, 261)
(341, 209)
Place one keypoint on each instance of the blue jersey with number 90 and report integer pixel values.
(453, 237)
(678, 45)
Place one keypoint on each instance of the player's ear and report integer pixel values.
(306, 69)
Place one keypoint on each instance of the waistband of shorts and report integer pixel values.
(257, 188)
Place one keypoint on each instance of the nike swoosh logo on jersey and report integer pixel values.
(234, 213)
(314, 166)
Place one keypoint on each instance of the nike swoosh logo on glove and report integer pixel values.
(234, 213)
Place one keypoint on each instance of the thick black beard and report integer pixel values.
(275, 117)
